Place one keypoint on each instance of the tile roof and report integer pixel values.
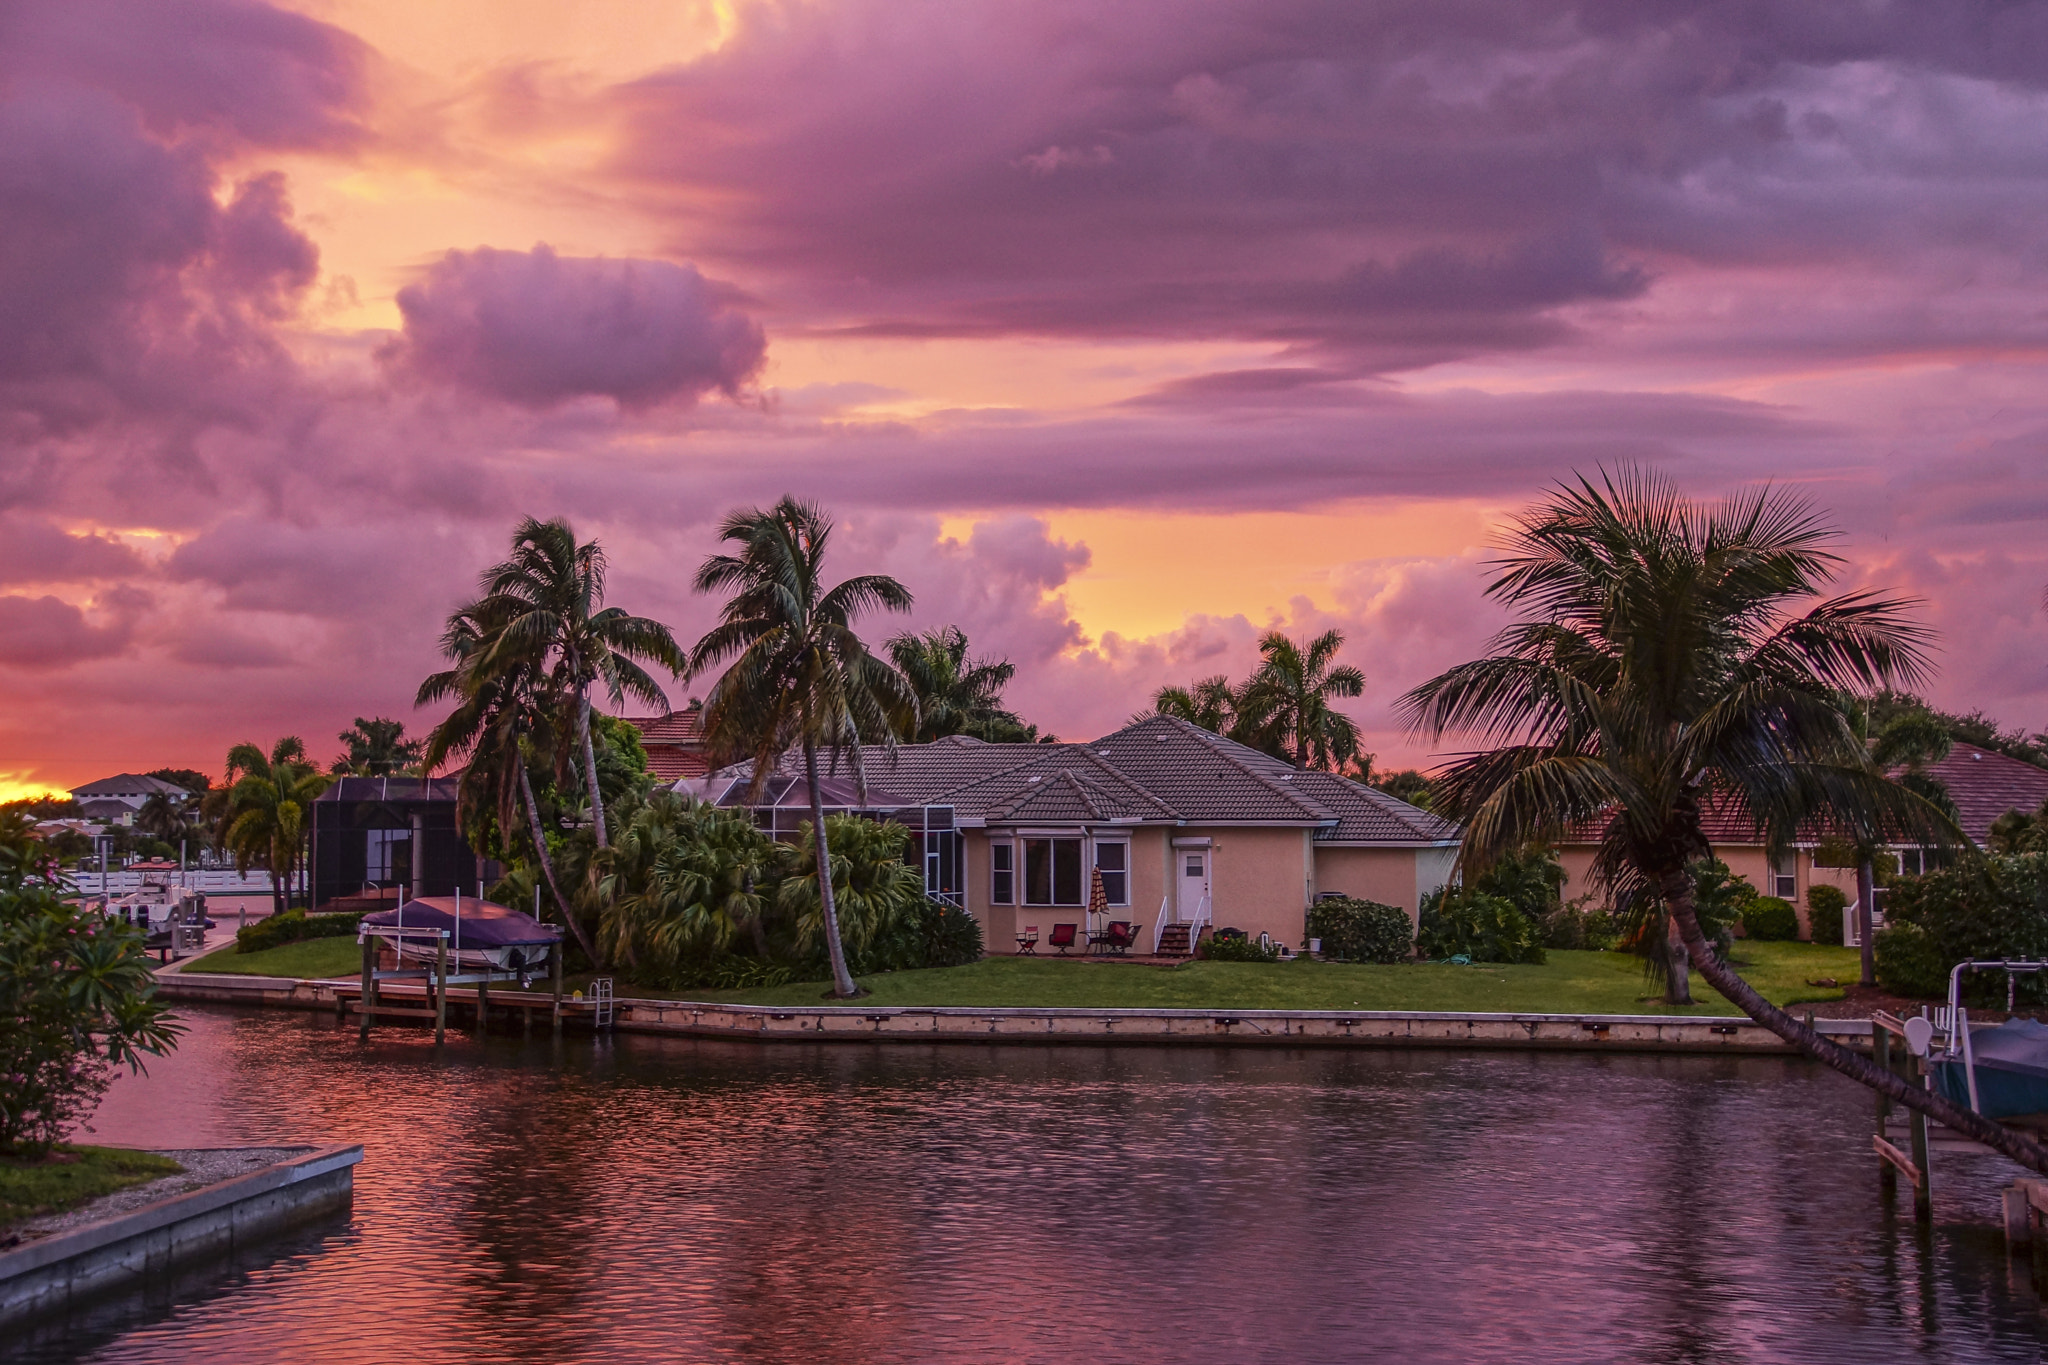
(129, 784)
(1985, 784)
(1159, 770)
(674, 743)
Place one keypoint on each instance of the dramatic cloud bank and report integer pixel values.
(1121, 334)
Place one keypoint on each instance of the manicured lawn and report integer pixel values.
(73, 1176)
(306, 959)
(1569, 983)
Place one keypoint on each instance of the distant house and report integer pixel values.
(1190, 831)
(115, 800)
(1983, 783)
(375, 834)
(674, 743)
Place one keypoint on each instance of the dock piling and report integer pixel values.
(441, 991)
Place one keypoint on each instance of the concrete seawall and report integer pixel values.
(1021, 1024)
(57, 1272)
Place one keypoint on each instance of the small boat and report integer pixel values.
(481, 935)
(159, 906)
(2011, 1063)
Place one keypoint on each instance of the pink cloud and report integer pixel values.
(42, 633)
(536, 328)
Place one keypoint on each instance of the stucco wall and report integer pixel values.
(1386, 875)
(1259, 879)
(1747, 861)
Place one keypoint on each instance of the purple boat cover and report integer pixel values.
(485, 924)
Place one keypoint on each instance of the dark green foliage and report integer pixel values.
(2019, 831)
(1406, 785)
(1531, 879)
(1460, 922)
(1580, 928)
(1354, 930)
(1824, 907)
(77, 999)
(293, 926)
(1769, 919)
(1986, 908)
(1240, 947)
(1975, 728)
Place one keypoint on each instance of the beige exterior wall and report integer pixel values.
(1391, 876)
(1259, 879)
(1748, 861)
(1000, 924)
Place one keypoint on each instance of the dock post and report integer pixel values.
(1881, 1044)
(1923, 1188)
(2018, 1216)
(369, 983)
(441, 990)
(483, 1004)
(555, 971)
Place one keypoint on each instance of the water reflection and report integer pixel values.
(642, 1199)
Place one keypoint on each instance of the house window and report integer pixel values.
(1113, 862)
(1784, 877)
(1914, 862)
(1002, 864)
(1052, 872)
(389, 855)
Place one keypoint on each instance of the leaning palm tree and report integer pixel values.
(265, 810)
(498, 718)
(1290, 694)
(799, 677)
(1669, 657)
(955, 694)
(545, 605)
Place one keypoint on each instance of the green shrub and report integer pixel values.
(1237, 948)
(1531, 879)
(1354, 930)
(1985, 908)
(1457, 922)
(1824, 907)
(293, 926)
(1580, 927)
(1769, 919)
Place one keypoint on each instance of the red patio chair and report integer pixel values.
(1122, 934)
(1027, 942)
(1063, 937)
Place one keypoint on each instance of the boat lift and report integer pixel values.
(499, 939)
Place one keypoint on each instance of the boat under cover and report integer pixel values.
(487, 935)
(2012, 1070)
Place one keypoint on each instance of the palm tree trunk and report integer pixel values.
(547, 865)
(590, 770)
(1866, 896)
(1858, 1068)
(1677, 979)
(843, 984)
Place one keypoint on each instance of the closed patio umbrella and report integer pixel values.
(1098, 902)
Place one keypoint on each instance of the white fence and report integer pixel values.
(213, 881)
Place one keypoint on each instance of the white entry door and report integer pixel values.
(1191, 882)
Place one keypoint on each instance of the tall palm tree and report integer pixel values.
(377, 748)
(1670, 656)
(1910, 740)
(1290, 696)
(498, 718)
(799, 677)
(545, 607)
(1210, 703)
(956, 694)
(265, 810)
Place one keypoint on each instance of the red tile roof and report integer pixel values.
(674, 743)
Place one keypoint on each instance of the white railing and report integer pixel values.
(1197, 923)
(1169, 916)
(1159, 924)
(215, 880)
(1850, 937)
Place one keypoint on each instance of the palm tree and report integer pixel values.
(499, 716)
(956, 695)
(1670, 656)
(1910, 740)
(377, 748)
(265, 809)
(799, 677)
(1289, 697)
(169, 819)
(544, 604)
(1210, 703)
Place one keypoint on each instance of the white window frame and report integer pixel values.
(1123, 846)
(1052, 873)
(1002, 872)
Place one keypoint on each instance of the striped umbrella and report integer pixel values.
(1098, 898)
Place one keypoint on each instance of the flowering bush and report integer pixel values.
(76, 1000)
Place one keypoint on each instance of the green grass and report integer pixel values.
(1569, 983)
(73, 1176)
(308, 958)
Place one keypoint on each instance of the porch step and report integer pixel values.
(1173, 941)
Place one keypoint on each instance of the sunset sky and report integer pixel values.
(1119, 332)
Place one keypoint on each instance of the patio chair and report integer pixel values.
(1063, 937)
(1027, 941)
(1122, 934)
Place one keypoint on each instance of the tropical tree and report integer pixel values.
(500, 718)
(1289, 698)
(169, 819)
(1211, 703)
(956, 694)
(265, 810)
(1910, 740)
(544, 609)
(377, 748)
(874, 892)
(799, 676)
(684, 881)
(1668, 656)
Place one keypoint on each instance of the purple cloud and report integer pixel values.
(534, 328)
(40, 633)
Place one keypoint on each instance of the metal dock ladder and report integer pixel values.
(601, 1002)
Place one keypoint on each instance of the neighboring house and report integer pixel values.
(378, 833)
(114, 800)
(674, 743)
(1983, 783)
(1190, 831)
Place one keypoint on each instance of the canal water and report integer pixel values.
(636, 1199)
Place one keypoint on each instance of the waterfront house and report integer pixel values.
(674, 743)
(1190, 831)
(374, 834)
(1983, 783)
(115, 800)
